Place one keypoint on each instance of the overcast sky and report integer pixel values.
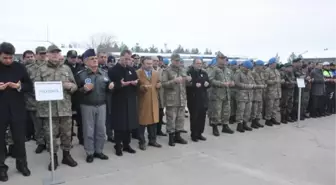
(256, 28)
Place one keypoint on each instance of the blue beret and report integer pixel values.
(248, 64)
(272, 61)
(89, 53)
(259, 63)
(166, 61)
(212, 62)
(233, 62)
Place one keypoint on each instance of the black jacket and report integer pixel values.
(124, 110)
(12, 101)
(197, 97)
(100, 81)
(75, 97)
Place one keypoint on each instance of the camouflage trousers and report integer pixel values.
(243, 112)
(219, 112)
(175, 119)
(306, 98)
(286, 101)
(38, 127)
(257, 108)
(271, 108)
(62, 127)
(9, 138)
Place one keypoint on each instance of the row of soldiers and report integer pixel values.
(224, 91)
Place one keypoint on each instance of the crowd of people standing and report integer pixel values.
(115, 101)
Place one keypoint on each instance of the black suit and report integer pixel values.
(13, 110)
(197, 99)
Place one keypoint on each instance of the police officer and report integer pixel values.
(220, 77)
(174, 80)
(94, 84)
(61, 110)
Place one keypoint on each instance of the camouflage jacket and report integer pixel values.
(244, 84)
(32, 69)
(289, 79)
(273, 81)
(56, 72)
(259, 79)
(174, 94)
(217, 77)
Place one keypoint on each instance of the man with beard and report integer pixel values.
(14, 82)
(197, 99)
(124, 104)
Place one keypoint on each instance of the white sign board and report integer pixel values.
(48, 91)
(300, 82)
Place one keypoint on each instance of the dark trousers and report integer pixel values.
(151, 130)
(197, 120)
(18, 129)
(122, 137)
(329, 102)
(30, 132)
(159, 125)
(317, 106)
(78, 118)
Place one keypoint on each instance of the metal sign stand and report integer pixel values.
(301, 84)
(53, 180)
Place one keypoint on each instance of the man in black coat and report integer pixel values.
(124, 104)
(197, 99)
(14, 82)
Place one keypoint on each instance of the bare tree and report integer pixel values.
(102, 42)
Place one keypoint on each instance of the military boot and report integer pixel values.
(254, 123)
(68, 160)
(258, 124)
(268, 123)
(3, 175)
(240, 127)
(227, 129)
(171, 139)
(55, 162)
(283, 118)
(215, 131)
(289, 118)
(22, 167)
(274, 121)
(246, 127)
(179, 139)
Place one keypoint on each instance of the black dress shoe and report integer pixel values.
(89, 158)
(40, 149)
(129, 149)
(160, 133)
(3, 176)
(154, 144)
(142, 146)
(21, 166)
(101, 156)
(118, 150)
(202, 138)
(194, 138)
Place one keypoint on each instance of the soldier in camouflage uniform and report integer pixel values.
(220, 77)
(273, 92)
(174, 80)
(306, 90)
(32, 68)
(287, 93)
(258, 94)
(233, 91)
(55, 70)
(298, 73)
(245, 84)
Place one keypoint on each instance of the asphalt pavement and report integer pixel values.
(278, 155)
